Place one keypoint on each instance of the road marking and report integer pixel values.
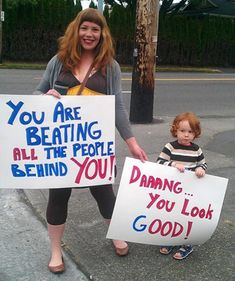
(187, 79)
(175, 79)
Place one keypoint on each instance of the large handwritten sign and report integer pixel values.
(49, 143)
(159, 205)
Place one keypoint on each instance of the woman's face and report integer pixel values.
(89, 34)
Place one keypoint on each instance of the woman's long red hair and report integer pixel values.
(70, 50)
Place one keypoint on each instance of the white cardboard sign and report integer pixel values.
(51, 143)
(157, 204)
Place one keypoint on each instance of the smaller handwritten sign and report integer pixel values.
(158, 205)
(51, 143)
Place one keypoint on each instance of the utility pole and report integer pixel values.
(1, 20)
(100, 5)
(142, 89)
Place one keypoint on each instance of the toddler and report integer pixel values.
(183, 154)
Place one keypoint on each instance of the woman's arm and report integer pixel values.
(122, 122)
(49, 76)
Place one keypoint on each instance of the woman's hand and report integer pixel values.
(136, 151)
(54, 93)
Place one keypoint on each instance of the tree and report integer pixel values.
(92, 5)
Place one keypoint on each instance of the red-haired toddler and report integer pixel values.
(183, 154)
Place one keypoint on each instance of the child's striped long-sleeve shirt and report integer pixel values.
(190, 156)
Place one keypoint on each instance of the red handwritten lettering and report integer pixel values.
(165, 228)
(23, 154)
(166, 204)
(195, 211)
(94, 168)
(162, 228)
(135, 174)
(150, 181)
(81, 168)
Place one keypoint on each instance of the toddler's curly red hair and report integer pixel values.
(193, 122)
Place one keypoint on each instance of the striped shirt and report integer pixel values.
(190, 156)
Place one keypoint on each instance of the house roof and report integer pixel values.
(224, 8)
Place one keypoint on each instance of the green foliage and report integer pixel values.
(122, 25)
(14, 3)
(92, 5)
(205, 41)
(106, 12)
(125, 3)
(32, 27)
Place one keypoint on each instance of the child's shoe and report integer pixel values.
(183, 252)
(166, 250)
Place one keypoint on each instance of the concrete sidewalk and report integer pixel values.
(25, 244)
(85, 242)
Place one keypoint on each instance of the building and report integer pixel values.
(222, 8)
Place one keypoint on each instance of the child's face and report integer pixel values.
(184, 133)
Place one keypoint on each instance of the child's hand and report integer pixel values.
(200, 172)
(180, 167)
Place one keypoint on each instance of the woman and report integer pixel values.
(85, 47)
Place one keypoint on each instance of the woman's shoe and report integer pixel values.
(121, 252)
(57, 269)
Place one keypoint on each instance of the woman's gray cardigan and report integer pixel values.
(113, 88)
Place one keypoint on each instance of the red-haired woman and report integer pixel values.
(86, 47)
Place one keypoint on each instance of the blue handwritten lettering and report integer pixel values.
(25, 117)
(92, 149)
(55, 152)
(63, 114)
(16, 109)
(62, 134)
(33, 138)
(39, 170)
(141, 227)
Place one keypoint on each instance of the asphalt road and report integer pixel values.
(208, 94)
(212, 97)
(205, 93)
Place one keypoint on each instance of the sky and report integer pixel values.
(86, 3)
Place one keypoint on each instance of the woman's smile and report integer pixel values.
(89, 34)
